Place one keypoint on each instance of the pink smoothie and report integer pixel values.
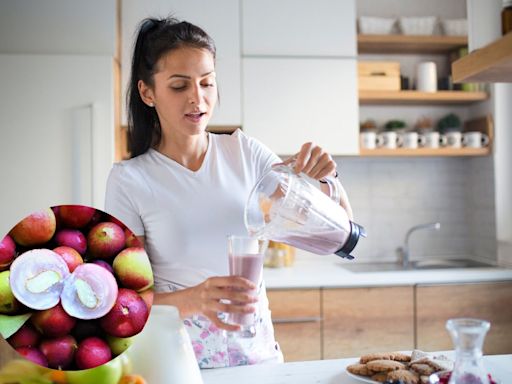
(250, 267)
(321, 243)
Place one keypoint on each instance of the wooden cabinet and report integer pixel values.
(299, 27)
(297, 323)
(437, 303)
(289, 101)
(220, 19)
(364, 320)
(345, 322)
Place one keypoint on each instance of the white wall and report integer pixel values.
(58, 26)
(389, 196)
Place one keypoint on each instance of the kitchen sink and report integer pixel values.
(416, 265)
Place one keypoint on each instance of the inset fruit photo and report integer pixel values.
(76, 287)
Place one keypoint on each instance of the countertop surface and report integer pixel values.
(311, 271)
(322, 372)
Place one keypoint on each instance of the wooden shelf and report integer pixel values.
(416, 97)
(409, 44)
(492, 63)
(424, 152)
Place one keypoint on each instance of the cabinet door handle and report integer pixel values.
(293, 320)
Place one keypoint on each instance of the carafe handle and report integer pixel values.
(334, 187)
(331, 181)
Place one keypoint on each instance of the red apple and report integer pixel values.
(72, 238)
(75, 216)
(7, 252)
(59, 352)
(53, 322)
(26, 336)
(133, 269)
(127, 317)
(35, 229)
(131, 239)
(116, 221)
(33, 354)
(92, 352)
(70, 256)
(105, 240)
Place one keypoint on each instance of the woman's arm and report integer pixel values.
(211, 297)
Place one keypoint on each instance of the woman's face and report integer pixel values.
(185, 90)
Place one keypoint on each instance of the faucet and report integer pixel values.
(403, 252)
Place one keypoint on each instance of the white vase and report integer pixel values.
(162, 352)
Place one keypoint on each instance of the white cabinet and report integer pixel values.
(58, 27)
(289, 101)
(220, 19)
(299, 27)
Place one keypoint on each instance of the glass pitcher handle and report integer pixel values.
(334, 188)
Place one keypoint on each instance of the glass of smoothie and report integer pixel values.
(246, 256)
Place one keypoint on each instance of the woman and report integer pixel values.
(184, 190)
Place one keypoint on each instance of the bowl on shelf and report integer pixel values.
(455, 27)
(376, 25)
(417, 25)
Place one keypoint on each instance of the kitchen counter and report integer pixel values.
(321, 372)
(310, 271)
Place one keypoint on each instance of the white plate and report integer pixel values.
(364, 379)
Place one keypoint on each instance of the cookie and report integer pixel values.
(384, 365)
(380, 377)
(405, 376)
(398, 356)
(422, 369)
(376, 356)
(359, 369)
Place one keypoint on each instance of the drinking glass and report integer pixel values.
(246, 256)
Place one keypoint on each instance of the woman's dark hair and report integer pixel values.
(155, 38)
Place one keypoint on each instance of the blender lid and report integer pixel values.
(356, 231)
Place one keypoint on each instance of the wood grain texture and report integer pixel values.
(364, 320)
(299, 341)
(492, 63)
(409, 44)
(438, 303)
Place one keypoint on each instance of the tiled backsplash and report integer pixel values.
(389, 196)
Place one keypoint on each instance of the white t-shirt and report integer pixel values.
(186, 216)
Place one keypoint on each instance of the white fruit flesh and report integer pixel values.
(85, 294)
(43, 281)
(37, 277)
(89, 293)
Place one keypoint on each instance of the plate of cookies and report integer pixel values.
(399, 367)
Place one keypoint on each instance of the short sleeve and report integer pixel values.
(262, 157)
(120, 204)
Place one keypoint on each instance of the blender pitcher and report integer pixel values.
(289, 208)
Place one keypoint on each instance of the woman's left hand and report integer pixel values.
(313, 161)
(317, 164)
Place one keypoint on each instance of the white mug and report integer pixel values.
(454, 139)
(369, 140)
(426, 77)
(475, 139)
(389, 140)
(412, 140)
(434, 140)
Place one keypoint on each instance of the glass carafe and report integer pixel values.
(290, 208)
(468, 338)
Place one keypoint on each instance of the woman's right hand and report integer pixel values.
(213, 295)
